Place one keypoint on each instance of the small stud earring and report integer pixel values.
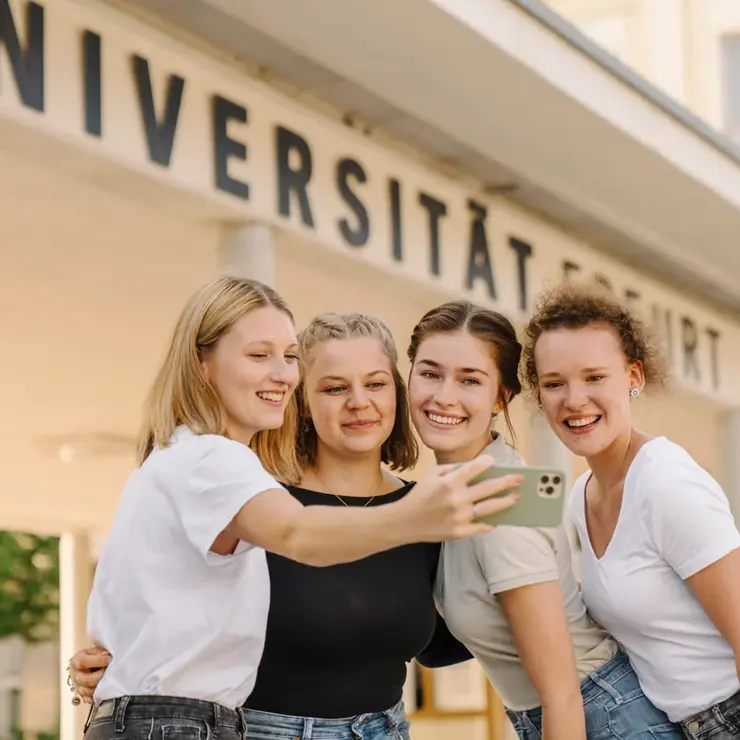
(634, 392)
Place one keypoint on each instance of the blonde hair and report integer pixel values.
(181, 393)
(400, 451)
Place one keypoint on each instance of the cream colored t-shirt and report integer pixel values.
(471, 572)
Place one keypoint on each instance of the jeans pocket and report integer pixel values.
(138, 729)
(182, 730)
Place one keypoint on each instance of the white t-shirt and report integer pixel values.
(472, 572)
(178, 619)
(675, 520)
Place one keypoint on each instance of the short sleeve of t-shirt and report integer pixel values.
(512, 557)
(687, 514)
(222, 476)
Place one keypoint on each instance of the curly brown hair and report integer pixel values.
(576, 306)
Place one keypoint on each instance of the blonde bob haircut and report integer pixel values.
(400, 451)
(181, 394)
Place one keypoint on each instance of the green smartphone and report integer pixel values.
(541, 497)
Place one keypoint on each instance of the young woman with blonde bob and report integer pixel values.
(661, 550)
(509, 595)
(182, 586)
(335, 669)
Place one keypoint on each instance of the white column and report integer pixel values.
(248, 251)
(731, 454)
(75, 581)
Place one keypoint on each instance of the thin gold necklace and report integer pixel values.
(367, 503)
(337, 496)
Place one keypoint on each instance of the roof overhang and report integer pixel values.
(508, 93)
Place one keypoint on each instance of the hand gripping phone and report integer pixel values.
(541, 497)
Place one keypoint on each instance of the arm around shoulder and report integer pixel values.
(439, 507)
(316, 535)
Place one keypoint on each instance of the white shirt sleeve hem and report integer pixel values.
(242, 547)
(707, 557)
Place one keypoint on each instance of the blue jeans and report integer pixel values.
(615, 707)
(720, 722)
(163, 718)
(389, 725)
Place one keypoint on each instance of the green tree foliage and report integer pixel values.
(29, 586)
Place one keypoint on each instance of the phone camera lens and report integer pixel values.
(556, 480)
(550, 490)
(545, 478)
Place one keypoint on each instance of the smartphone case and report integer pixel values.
(541, 497)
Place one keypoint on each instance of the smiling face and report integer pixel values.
(254, 370)
(351, 395)
(453, 390)
(584, 383)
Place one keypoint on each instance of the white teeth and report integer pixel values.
(271, 396)
(585, 421)
(449, 420)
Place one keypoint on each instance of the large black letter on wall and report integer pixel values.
(293, 180)
(93, 81)
(568, 269)
(523, 253)
(436, 209)
(394, 194)
(631, 296)
(160, 136)
(690, 340)
(663, 325)
(713, 335)
(223, 111)
(358, 236)
(479, 258)
(27, 66)
(603, 281)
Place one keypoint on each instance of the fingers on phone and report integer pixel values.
(495, 505)
(493, 486)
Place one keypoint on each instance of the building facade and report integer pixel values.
(688, 48)
(370, 159)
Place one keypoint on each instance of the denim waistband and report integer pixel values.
(724, 716)
(293, 726)
(164, 707)
(605, 677)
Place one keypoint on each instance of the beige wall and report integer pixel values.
(675, 44)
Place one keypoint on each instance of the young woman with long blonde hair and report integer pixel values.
(182, 584)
